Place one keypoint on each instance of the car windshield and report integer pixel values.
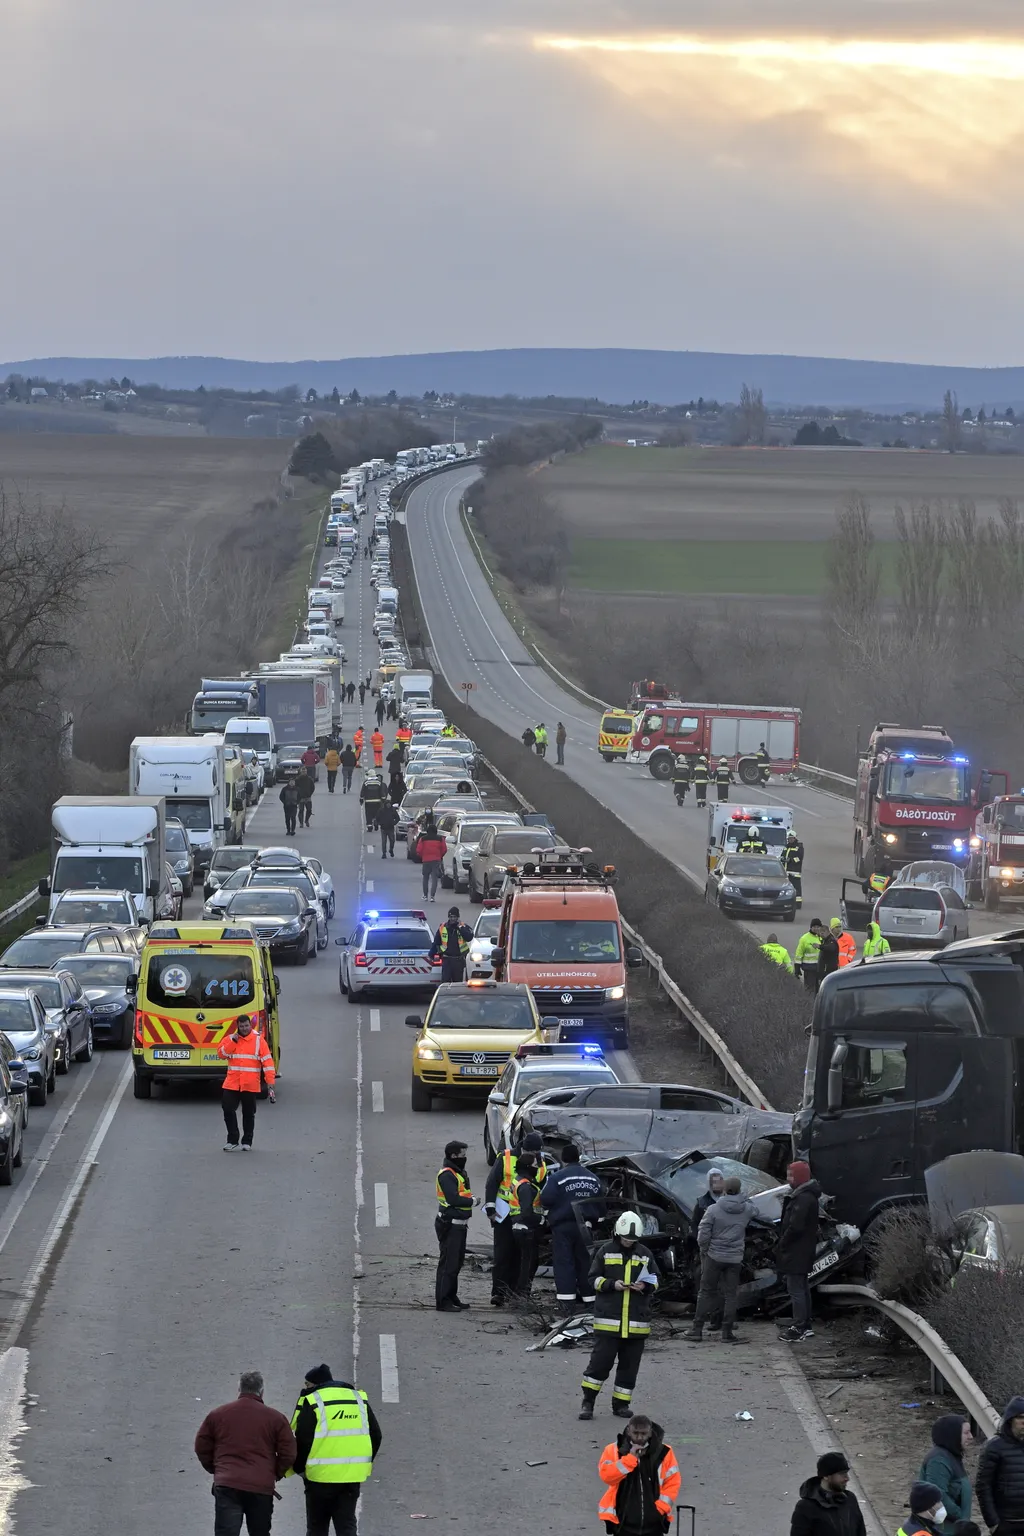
(487, 925)
(566, 939)
(901, 898)
(297, 879)
(474, 1009)
(253, 741)
(419, 800)
(193, 814)
(76, 910)
(383, 940)
(195, 979)
(228, 859)
(941, 783)
(250, 903)
(772, 837)
(47, 989)
(98, 970)
(16, 1016)
(524, 841)
(688, 1182)
(470, 832)
(558, 1077)
(79, 872)
(758, 865)
(174, 840)
(617, 725)
(1010, 813)
(36, 949)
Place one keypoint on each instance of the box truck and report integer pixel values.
(109, 843)
(192, 773)
(298, 700)
(414, 688)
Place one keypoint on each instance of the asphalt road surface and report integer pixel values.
(473, 641)
(142, 1269)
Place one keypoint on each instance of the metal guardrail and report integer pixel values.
(828, 780)
(947, 1365)
(19, 907)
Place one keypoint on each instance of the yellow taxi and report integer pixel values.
(471, 1031)
(615, 734)
(194, 981)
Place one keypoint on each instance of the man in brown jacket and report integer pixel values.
(248, 1447)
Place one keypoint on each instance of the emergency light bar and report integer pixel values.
(589, 1049)
(395, 912)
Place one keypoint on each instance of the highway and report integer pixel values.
(473, 641)
(143, 1270)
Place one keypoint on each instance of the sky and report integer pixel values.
(324, 179)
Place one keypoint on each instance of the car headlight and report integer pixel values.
(614, 994)
(213, 881)
(290, 930)
(181, 867)
(786, 890)
(32, 1054)
(109, 1007)
(975, 842)
(890, 837)
(730, 890)
(426, 1052)
(958, 844)
(1007, 874)
(6, 1122)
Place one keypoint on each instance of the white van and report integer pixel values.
(380, 523)
(255, 733)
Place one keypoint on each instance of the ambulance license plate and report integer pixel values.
(161, 1054)
(478, 1071)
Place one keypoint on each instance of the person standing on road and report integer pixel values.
(793, 864)
(350, 691)
(828, 951)
(874, 944)
(455, 1202)
(377, 747)
(764, 764)
(773, 950)
(944, 1466)
(289, 798)
(561, 737)
(387, 821)
(568, 1190)
(826, 1507)
(681, 778)
(796, 1246)
(527, 1219)
(304, 787)
(379, 710)
(247, 1448)
(392, 709)
(642, 1478)
(752, 841)
(451, 946)
(721, 1238)
(723, 778)
(846, 942)
(529, 738)
(499, 1199)
(332, 762)
(625, 1277)
(540, 737)
(337, 1438)
(431, 847)
(250, 1064)
(371, 798)
(397, 789)
(999, 1481)
(700, 781)
(348, 765)
(362, 692)
(394, 760)
(357, 742)
(808, 947)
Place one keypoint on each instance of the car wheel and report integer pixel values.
(446, 880)
(37, 1094)
(420, 1097)
(19, 1156)
(126, 1033)
(322, 944)
(489, 1152)
(84, 1052)
(789, 917)
(331, 906)
(474, 894)
(342, 983)
(187, 890)
(64, 1065)
(51, 1081)
(303, 959)
(142, 1087)
(354, 996)
(7, 1166)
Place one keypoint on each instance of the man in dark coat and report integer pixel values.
(999, 1483)
(826, 1506)
(797, 1245)
(289, 798)
(247, 1448)
(305, 787)
(828, 953)
(387, 821)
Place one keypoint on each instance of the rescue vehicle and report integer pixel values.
(615, 735)
(734, 731)
(729, 825)
(996, 868)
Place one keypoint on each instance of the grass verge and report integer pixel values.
(22, 876)
(291, 606)
(769, 567)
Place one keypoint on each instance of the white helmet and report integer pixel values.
(629, 1224)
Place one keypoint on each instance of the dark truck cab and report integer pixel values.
(911, 1059)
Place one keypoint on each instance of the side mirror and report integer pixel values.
(497, 956)
(414, 1021)
(835, 1076)
(550, 1021)
(153, 889)
(341, 942)
(498, 1098)
(310, 912)
(131, 985)
(16, 1065)
(43, 888)
(227, 823)
(634, 957)
(41, 920)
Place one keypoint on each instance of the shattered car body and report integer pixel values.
(665, 1190)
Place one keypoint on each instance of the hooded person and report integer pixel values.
(999, 1481)
(874, 944)
(927, 1511)
(944, 1466)
(796, 1246)
(826, 1506)
(642, 1480)
(721, 1239)
(716, 1187)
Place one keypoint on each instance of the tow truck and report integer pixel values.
(914, 799)
(728, 826)
(995, 873)
(670, 727)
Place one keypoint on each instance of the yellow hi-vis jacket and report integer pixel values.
(341, 1451)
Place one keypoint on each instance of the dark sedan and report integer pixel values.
(105, 981)
(751, 885)
(13, 1118)
(282, 917)
(68, 1014)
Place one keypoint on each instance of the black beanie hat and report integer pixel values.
(320, 1375)
(924, 1496)
(832, 1461)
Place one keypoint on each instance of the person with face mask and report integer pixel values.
(714, 1191)
(999, 1482)
(642, 1480)
(624, 1277)
(249, 1060)
(826, 1506)
(927, 1511)
(944, 1466)
(455, 1202)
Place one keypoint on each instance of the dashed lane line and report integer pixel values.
(381, 1205)
(388, 1369)
(374, 1021)
(377, 1091)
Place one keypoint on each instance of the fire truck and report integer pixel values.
(914, 799)
(667, 727)
(995, 874)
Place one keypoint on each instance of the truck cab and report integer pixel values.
(996, 871)
(910, 1060)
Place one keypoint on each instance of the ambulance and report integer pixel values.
(194, 981)
(615, 735)
(729, 825)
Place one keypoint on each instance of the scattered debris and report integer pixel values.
(536, 1463)
(744, 1417)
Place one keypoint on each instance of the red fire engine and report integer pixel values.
(668, 727)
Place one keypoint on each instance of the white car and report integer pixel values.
(485, 936)
(464, 840)
(291, 858)
(388, 952)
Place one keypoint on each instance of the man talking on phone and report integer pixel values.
(250, 1064)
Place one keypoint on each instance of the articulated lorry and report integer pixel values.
(109, 843)
(219, 700)
(299, 700)
(202, 787)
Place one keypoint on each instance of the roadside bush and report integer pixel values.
(523, 527)
(904, 1262)
(529, 445)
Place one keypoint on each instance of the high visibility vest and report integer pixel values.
(723, 774)
(540, 736)
(700, 773)
(341, 1451)
(878, 883)
(753, 845)
(613, 1470)
(792, 858)
(246, 1058)
(465, 1193)
(442, 940)
(779, 954)
(877, 946)
(507, 1187)
(681, 773)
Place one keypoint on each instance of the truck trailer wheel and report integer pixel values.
(748, 771)
(991, 898)
(661, 765)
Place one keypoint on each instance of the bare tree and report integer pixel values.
(919, 567)
(952, 424)
(751, 417)
(852, 564)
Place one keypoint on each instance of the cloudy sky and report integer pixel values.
(322, 178)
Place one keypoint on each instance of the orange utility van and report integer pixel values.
(561, 934)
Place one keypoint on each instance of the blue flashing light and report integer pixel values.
(590, 1048)
(909, 756)
(371, 914)
(958, 844)
(959, 759)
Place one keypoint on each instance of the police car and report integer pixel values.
(388, 952)
(532, 1068)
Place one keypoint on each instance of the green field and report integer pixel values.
(778, 567)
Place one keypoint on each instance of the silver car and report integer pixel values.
(388, 951)
(464, 840)
(925, 906)
(498, 848)
(291, 858)
(485, 936)
(23, 1021)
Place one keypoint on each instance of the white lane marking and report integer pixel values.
(13, 1374)
(368, 886)
(357, 1240)
(804, 810)
(377, 1090)
(42, 1158)
(388, 1369)
(374, 1021)
(381, 1206)
(46, 1248)
(369, 847)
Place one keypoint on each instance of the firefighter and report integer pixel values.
(793, 863)
(764, 764)
(700, 781)
(723, 778)
(753, 842)
(370, 797)
(625, 1278)
(681, 778)
(571, 1188)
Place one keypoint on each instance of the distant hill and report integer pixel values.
(615, 375)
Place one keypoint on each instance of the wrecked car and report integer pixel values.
(976, 1202)
(665, 1190)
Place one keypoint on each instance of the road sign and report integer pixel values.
(467, 686)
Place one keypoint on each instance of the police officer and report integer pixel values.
(764, 763)
(625, 1277)
(777, 952)
(451, 942)
(753, 842)
(540, 737)
(455, 1202)
(793, 863)
(527, 1218)
(723, 778)
(338, 1436)
(570, 1195)
(700, 781)
(499, 1200)
(681, 778)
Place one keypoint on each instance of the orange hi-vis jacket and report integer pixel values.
(847, 948)
(614, 1468)
(245, 1057)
